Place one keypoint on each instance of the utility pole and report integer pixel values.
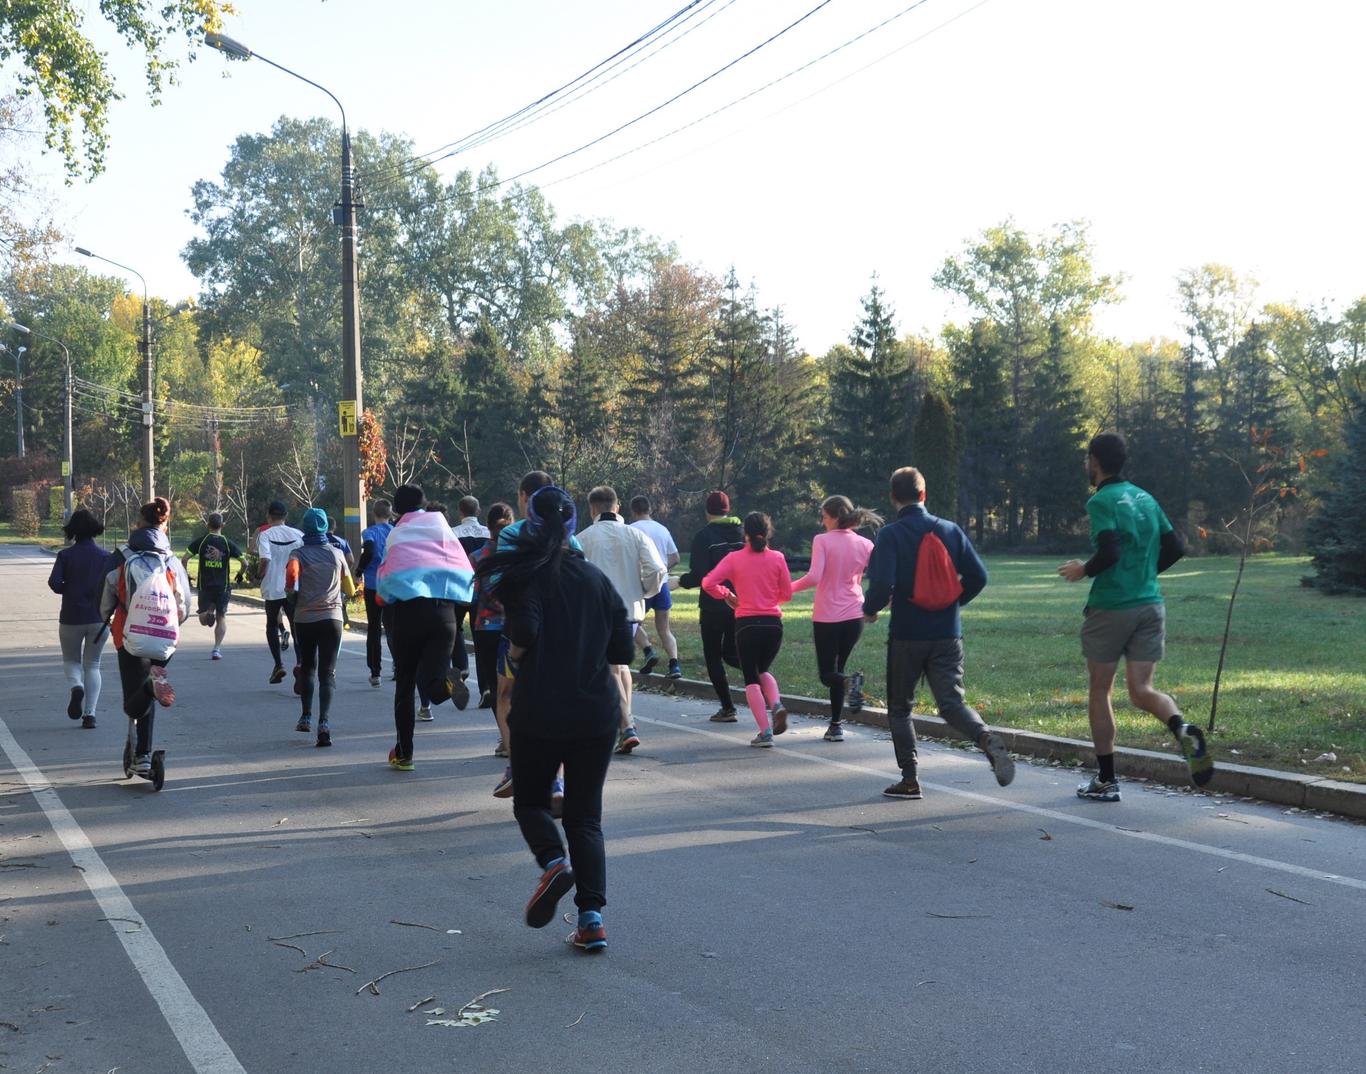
(19, 400)
(148, 430)
(353, 491)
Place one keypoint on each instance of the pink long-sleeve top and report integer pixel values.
(760, 579)
(838, 560)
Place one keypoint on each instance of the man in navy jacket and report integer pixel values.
(921, 642)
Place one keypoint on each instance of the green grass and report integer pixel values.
(1294, 681)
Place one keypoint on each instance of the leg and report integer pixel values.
(72, 638)
(406, 652)
(749, 642)
(220, 626)
(1138, 676)
(1099, 710)
(585, 772)
(666, 634)
(330, 635)
(944, 673)
(95, 637)
(825, 636)
(273, 608)
(436, 651)
(306, 641)
(374, 629)
(289, 618)
(135, 676)
(713, 653)
(460, 659)
(770, 642)
(534, 764)
(485, 659)
(623, 673)
(642, 638)
(904, 668)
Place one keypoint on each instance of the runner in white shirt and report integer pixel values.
(662, 601)
(273, 546)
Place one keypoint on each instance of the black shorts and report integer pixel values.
(215, 598)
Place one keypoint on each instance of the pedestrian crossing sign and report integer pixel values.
(346, 417)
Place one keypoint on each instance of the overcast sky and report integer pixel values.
(1185, 131)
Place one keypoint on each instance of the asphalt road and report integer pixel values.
(769, 910)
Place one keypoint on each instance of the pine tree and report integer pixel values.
(1337, 534)
(1053, 474)
(936, 455)
(980, 402)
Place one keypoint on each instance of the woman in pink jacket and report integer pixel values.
(759, 582)
(838, 558)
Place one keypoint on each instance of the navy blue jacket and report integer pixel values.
(78, 575)
(891, 575)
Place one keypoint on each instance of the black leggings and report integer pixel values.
(421, 635)
(374, 632)
(460, 658)
(535, 761)
(757, 639)
(273, 610)
(718, 650)
(317, 645)
(486, 659)
(139, 703)
(834, 643)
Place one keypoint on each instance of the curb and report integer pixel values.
(1314, 794)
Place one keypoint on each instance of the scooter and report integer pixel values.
(157, 776)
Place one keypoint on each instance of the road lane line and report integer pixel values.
(1039, 811)
(204, 1047)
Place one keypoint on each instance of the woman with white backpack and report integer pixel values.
(146, 598)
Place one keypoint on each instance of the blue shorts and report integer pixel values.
(506, 669)
(661, 601)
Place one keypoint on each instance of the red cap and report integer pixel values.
(718, 503)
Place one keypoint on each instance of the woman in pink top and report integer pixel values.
(838, 558)
(761, 582)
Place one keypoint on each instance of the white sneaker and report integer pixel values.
(216, 655)
(425, 714)
(142, 764)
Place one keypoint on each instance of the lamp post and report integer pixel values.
(19, 400)
(148, 441)
(67, 442)
(350, 407)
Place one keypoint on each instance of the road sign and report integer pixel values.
(346, 417)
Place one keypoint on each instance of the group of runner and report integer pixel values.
(557, 613)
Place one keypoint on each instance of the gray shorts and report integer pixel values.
(1134, 633)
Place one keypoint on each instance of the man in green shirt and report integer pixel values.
(1124, 615)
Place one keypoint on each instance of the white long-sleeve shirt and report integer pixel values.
(628, 558)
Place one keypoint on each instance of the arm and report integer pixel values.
(1105, 537)
(621, 644)
(109, 597)
(292, 574)
(348, 584)
(56, 581)
(881, 575)
(522, 622)
(714, 584)
(652, 570)
(972, 572)
(1171, 549)
(1106, 554)
(674, 559)
(182, 588)
(697, 562)
(812, 577)
(262, 555)
(367, 553)
(784, 583)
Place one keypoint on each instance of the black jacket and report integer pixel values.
(573, 629)
(710, 546)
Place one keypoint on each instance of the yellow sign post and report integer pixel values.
(346, 417)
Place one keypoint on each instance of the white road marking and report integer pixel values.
(1039, 811)
(204, 1047)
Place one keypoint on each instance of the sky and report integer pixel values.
(1183, 131)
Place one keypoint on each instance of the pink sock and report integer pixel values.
(770, 685)
(755, 696)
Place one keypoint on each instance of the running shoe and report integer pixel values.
(763, 740)
(425, 714)
(903, 788)
(374, 680)
(460, 693)
(557, 798)
(284, 640)
(278, 675)
(778, 714)
(628, 740)
(304, 726)
(162, 689)
(216, 654)
(403, 764)
(142, 764)
(88, 723)
(73, 707)
(324, 734)
(298, 682)
(501, 749)
(651, 662)
(855, 695)
(1192, 743)
(504, 788)
(835, 732)
(1002, 763)
(675, 670)
(485, 699)
(555, 884)
(590, 938)
(724, 716)
(1099, 790)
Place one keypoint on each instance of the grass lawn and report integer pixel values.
(1294, 681)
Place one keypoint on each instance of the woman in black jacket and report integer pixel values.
(565, 627)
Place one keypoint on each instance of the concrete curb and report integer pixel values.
(1315, 794)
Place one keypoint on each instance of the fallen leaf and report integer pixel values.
(1045, 836)
(1115, 905)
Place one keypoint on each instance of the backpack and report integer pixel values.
(937, 585)
(151, 629)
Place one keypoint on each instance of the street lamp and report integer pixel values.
(66, 447)
(18, 398)
(148, 443)
(350, 408)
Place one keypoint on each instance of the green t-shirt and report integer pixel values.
(1138, 520)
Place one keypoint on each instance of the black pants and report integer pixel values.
(941, 664)
(273, 610)
(718, 650)
(317, 645)
(421, 633)
(486, 660)
(460, 659)
(535, 761)
(834, 643)
(757, 639)
(374, 630)
(139, 703)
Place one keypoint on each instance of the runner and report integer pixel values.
(373, 543)
(424, 573)
(316, 577)
(341, 544)
(78, 575)
(1125, 615)
(926, 633)
(214, 580)
(273, 546)
(838, 558)
(662, 601)
(487, 623)
(715, 618)
(566, 630)
(628, 557)
(472, 536)
(143, 678)
(753, 582)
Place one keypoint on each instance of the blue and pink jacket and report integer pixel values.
(425, 560)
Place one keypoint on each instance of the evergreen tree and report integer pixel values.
(980, 401)
(1054, 478)
(737, 379)
(935, 455)
(1337, 534)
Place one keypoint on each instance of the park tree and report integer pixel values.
(980, 403)
(935, 455)
(1337, 534)
(1053, 477)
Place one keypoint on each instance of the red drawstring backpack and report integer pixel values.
(937, 585)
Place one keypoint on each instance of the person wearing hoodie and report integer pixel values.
(78, 575)
(721, 536)
(316, 578)
(143, 680)
(424, 575)
(630, 560)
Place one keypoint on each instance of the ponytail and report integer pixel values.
(758, 529)
(849, 517)
(539, 545)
